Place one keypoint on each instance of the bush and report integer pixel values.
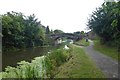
(57, 57)
(35, 69)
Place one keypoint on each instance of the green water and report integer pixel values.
(11, 58)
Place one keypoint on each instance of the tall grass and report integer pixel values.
(40, 67)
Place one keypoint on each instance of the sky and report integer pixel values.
(66, 15)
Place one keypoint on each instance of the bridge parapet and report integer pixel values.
(67, 35)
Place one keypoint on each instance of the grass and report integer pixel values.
(79, 66)
(109, 51)
(82, 43)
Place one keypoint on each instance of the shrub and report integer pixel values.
(57, 57)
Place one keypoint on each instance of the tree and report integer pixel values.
(12, 26)
(78, 33)
(34, 32)
(20, 31)
(47, 30)
(105, 22)
(82, 32)
(58, 31)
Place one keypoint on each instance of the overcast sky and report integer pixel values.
(66, 15)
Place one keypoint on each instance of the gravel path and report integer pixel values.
(106, 64)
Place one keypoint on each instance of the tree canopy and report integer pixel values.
(47, 30)
(58, 31)
(105, 22)
(21, 31)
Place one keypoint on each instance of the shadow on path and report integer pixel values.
(106, 64)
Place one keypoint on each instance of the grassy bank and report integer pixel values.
(79, 66)
(82, 43)
(109, 51)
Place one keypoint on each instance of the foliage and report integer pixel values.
(82, 32)
(40, 67)
(105, 22)
(79, 66)
(58, 56)
(20, 31)
(78, 33)
(48, 41)
(82, 42)
(47, 30)
(26, 69)
(58, 31)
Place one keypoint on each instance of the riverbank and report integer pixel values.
(61, 63)
(13, 49)
(10, 58)
(39, 67)
(79, 66)
(107, 50)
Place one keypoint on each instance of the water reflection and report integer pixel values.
(11, 58)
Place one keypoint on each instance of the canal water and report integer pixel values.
(11, 58)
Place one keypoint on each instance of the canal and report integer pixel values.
(11, 58)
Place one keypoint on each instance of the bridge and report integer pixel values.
(66, 35)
